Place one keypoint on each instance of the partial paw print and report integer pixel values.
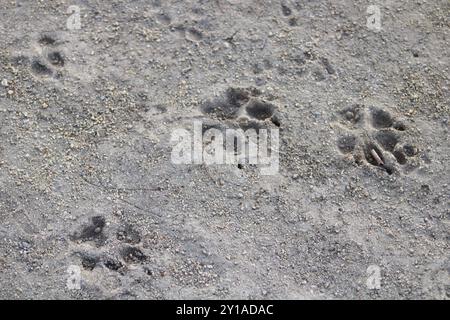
(375, 137)
(189, 33)
(287, 12)
(244, 106)
(91, 232)
(187, 29)
(50, 60)
(117, 252)
(306, 63)
(190, 23)
(321, 67)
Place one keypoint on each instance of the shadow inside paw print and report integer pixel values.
(260, 110)
(55, 58)
(113, 264)
(93, 231)
(46, 40)
(89, 261)
(375, 137)
(228, 106)
(128, 234)
(40, 68)
(132, 255)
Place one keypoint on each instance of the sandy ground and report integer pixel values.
(92, 207)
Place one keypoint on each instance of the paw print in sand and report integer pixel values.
(244, 106)
(375, 137)
(50, 59)
(95, 246)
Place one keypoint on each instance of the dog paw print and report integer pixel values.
(50, 60)
(244, 106)
(115, 254)
(375, 137)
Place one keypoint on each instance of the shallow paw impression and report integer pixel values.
(347, 144)
(241, 104)
(379, 141)
(228, 106)
(353, 114)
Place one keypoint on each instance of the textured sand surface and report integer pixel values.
(87, 183)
